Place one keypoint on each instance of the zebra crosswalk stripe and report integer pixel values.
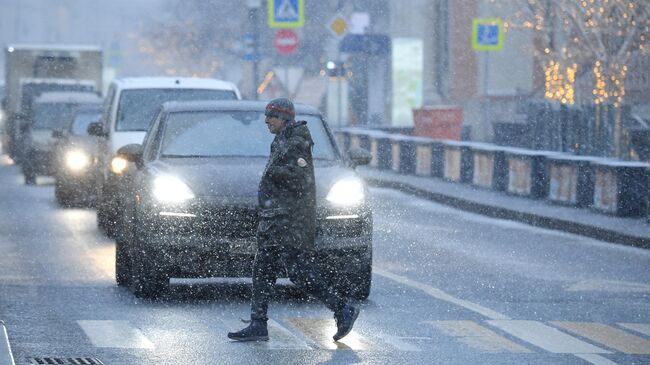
(546, 337)
(115, 334)
(321, 331)
(478, 337)
(608, 336)
(643, 328)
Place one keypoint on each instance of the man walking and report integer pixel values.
(287, 226)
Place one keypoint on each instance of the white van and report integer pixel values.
(131, 104)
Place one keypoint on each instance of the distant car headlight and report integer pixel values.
(170, 189)
(119, 164)
(346, 192)
(76, 160)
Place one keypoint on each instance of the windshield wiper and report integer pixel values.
(185, 156)
(211, 156)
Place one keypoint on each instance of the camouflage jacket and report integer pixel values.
(287, 190)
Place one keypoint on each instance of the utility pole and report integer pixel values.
(253, 10)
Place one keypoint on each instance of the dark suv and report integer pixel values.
(191, 203)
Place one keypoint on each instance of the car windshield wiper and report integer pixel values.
(211, 156)
(185, 156)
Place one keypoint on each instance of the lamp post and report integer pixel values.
(253, 8)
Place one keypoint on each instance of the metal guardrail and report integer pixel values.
(606, 185)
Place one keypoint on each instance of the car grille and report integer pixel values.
(229, 222)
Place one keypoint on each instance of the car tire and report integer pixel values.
(122, 263)
(104, 220)
(62, 196)
(147, 281)
(123, 241)
(28, 173)
(30, 179)
(361, 281)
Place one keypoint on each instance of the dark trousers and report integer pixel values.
(302, 270)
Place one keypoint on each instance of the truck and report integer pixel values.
(31, 69)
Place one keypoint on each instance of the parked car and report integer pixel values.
(130, 106)
(75, 154)
(190, 205)
(51, 111)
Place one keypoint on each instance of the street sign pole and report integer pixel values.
(338, 83)
(487, 36)
(254, 11)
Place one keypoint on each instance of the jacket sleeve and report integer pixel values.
(287, 171)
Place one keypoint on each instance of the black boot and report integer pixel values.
(255, 331)
(345, 320)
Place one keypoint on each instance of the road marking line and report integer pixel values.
(6, 357)
(115, 334)
(611, 286)
(478, 337)
(280, 337)
(596, 359)
(321, 331)
(441, 295)
(608, 336)
(546, 337)
(402, 343)
(643, 328)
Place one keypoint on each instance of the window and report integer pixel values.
(232, 133)
(137, 106)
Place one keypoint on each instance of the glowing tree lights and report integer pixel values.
(584, 48)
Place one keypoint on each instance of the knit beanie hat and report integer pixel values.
(280, 108)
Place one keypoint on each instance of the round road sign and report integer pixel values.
(285, 41)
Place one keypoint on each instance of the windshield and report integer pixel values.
(137, 107)
(53, 115)
(233, 133)
(82, 120)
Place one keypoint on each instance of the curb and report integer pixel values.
(504, 213)
(6, 358)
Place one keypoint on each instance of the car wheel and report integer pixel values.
(360, 282)
(30, 179)
(147, 281)
(29, 174)
(106, 220)
(353, 275)
(122, 264)
(123, 241)
(61, 195)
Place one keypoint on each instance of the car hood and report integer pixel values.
(237, 179)
(85, 143)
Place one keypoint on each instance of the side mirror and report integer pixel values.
(57, 134)
(96, 129)
(359, 157)
(132, 153)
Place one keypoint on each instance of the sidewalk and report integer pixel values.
(541, 213)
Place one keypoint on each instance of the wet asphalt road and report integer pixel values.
(449, 287)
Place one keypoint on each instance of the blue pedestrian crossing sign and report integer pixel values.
(286, 13)
(487, 34)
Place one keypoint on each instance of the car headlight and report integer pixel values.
(346, 192)
(119, 164)
(76, 160)
(170, 189)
